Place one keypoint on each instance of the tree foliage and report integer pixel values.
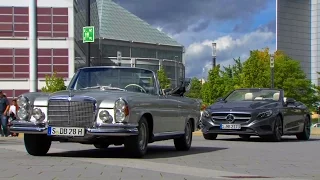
(255, 72)
(53, 84)
(163, 78)
(195, 88)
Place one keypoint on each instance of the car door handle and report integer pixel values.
(179, 106)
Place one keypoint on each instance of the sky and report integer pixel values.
(237, 26)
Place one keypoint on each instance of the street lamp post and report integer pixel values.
(33, 57)
(272, 70)
(88, 12)
(214, 54)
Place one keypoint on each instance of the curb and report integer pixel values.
(315, 131)
(20, 135)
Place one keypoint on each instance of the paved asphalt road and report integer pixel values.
(227, 156)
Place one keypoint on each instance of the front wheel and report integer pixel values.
(210, 136)
(305, 134)
(277, 131)
(137, 145)
(37, 144)
(183, 143)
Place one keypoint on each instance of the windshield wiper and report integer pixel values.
(103, 88)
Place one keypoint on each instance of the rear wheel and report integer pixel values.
(184, 142)
(210, 136)
(136, 146)
(305, 134)
(37, 144)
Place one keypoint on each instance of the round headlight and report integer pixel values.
(120, 104)
(120, 116)
(22, 114)
(37, 113)
(22, 101)
(121, 110)
(105, 116)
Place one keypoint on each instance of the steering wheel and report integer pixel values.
(136, 85)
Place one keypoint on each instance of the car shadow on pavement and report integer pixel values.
(287, 139)
(154, 152)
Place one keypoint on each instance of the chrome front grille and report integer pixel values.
(64, 113)
(238, 117)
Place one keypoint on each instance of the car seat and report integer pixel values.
(248, 96)
(276, 96)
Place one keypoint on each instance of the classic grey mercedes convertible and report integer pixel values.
(256, 111)
(108, 105)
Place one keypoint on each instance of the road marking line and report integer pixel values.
(153, 166)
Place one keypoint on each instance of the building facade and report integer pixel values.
(298, 33)
(118, 30)
(55, 43)
(60, 46)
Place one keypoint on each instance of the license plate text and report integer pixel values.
(65, 131)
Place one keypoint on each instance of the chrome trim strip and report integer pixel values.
(114, 132)
(29, 130)
(230, 112)
(118, 125)
(224, 117)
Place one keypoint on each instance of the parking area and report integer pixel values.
(228, 157)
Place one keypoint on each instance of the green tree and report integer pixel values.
(53, 84)
(232, 76)
(195, 88)
(163, 78)
(288, 75)
(256, 70)
(214, 87)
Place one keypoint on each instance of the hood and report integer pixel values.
(100, 95)
(242, 105)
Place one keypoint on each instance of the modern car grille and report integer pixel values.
(62, 113)
(238, 117)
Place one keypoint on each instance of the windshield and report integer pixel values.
(254, 95)
(125, 79)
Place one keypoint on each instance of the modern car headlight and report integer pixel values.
(206, 114)
(121, 110)
(22, 114)
(37, 113)
(23, 101)
(105, 116)
(265, 114)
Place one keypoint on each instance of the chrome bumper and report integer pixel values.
(102, 130)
